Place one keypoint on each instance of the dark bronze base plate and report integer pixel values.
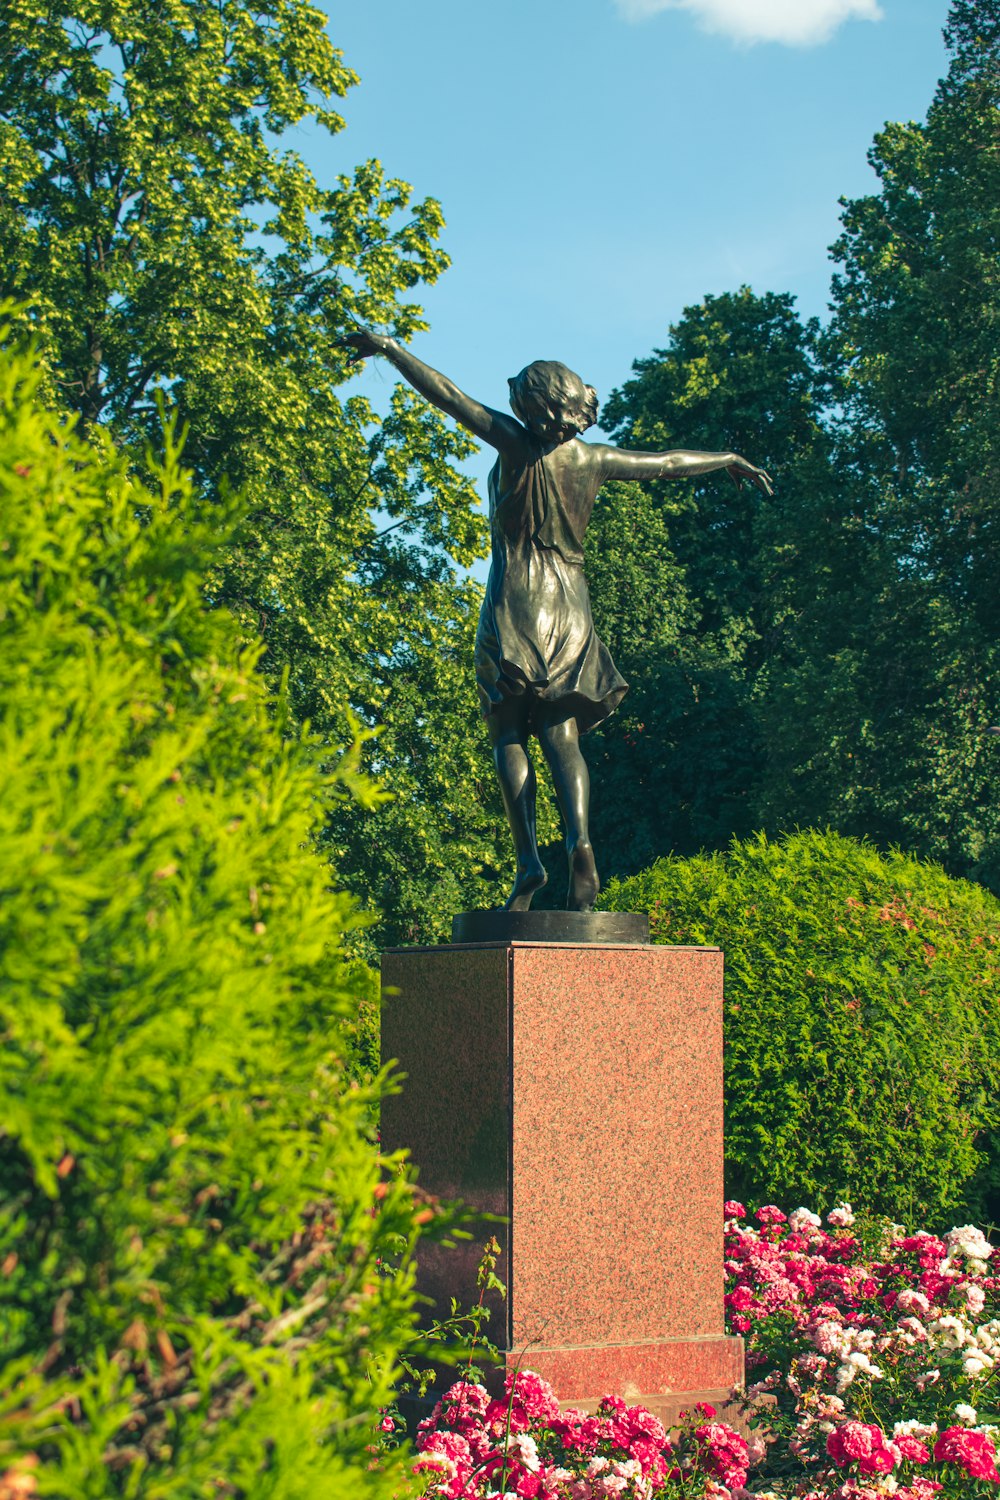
(550, 927)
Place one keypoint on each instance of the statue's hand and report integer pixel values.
(364, 342)
(743, 470)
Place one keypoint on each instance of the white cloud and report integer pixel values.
(797, 23)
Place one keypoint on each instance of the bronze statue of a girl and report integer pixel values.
(540, 666)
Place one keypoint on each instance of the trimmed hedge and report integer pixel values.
(862, 1017)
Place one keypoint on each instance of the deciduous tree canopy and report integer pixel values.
(696, 584)
(168, 242)
(825, 656)
(850, 623)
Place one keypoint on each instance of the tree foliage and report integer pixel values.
(739, 372)
(851, 623)
(191, 1298)
(823, 657)
(916, 316)
(168, 242)
(695, 585)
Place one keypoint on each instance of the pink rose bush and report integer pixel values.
(873, 1369)
(873, 1373)
(522, 1447)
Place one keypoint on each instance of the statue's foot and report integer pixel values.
(529, 879)
(583, 882)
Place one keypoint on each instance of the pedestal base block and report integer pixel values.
(639, 1372)
(577, 1092)
(666, 1379)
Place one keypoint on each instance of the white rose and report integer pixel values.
(913, 1428)
(861, 1362)
(950, 1332)
(969, 1241)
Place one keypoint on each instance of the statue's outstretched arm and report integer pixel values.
(621, 463)
(494, 427)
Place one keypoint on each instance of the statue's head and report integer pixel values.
(553, 402)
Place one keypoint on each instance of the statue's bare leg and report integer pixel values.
(508, 726)
(560, 742)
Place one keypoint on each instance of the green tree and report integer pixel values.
(886, 715)
(169, 243)
(697, 586)
(916, 304)
(191, 1292)
(740, 371)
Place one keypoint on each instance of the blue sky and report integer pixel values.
(602, 164)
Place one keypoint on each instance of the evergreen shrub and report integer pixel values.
(193, 1212)
(862, 1019)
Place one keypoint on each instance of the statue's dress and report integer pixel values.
(536, 633)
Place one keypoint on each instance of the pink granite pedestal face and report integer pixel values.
(577, 1091)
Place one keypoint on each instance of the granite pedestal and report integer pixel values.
(577, 1092)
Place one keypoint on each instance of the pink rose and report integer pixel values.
(640, 1423)
(446, 1454)
(534, 1395)
(975, 1297)
(913, 1450)
(724, 1454)
(462, 1407)
(578, 1432)
(863, 1444)
(971, 1451)
(770, 1215)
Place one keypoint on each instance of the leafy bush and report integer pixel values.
(191, 1295)
(862, 1018)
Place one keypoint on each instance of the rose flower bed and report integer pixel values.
(523, 1446)
(879, 1353)
(873, 1370)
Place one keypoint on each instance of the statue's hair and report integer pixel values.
(550, 383)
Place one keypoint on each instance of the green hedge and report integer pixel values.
(191, 1293)
(862, 1019)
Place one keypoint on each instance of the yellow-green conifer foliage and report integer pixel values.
(191, 1301)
